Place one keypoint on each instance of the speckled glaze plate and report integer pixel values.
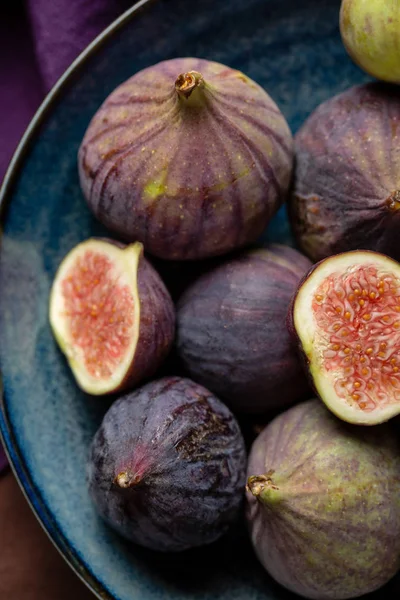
(293, 49)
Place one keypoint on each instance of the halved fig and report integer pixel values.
(346, 315)
(111, 315)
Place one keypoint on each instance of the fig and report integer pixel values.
(371, 34)
(323, 503)
(231, 332)
(347, 189)
(111, 315)
(346, 317)
(167, 466)
(188, 156)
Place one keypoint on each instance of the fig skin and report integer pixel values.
(347, 182)
(371, 34)
(156, 325)
(231, 333)
(191, 174)
(324, 510)
(167, 466)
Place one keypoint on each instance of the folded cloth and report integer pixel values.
(38, 40)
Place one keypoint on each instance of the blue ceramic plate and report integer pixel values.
(293, 49)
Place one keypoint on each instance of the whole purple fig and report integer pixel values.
(231, 332)
(167, 466)
(347, 187)
(188, 156)
(323, 503)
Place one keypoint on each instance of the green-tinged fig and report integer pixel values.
(347, 189)
(346, 317)
(323, 503)
(371, 34)
(231, 333)
(167, 466)
(188, 156)
(111, 315)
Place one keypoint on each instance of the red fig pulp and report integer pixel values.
(346, 315)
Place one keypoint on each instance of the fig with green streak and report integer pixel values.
(190, 157)
(323, 503)
(347, 184)
(371, 34)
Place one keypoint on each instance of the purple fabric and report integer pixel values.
(38, 40)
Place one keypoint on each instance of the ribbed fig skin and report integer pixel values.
(156, 327)
(186, 451)
(347, 184)
(231, 333)
(331, 530)
(190, 178)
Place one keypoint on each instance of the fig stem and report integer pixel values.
(187, 82)
(263, 488)
(126, 480)
(393, 202)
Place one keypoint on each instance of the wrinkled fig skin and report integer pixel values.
(189, 177)
(347, 188)
(183, 451)
(231, 333)
(326, 524)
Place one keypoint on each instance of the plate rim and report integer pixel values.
(7, 436)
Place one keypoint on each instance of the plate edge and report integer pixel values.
(11, 448)
(63, 81)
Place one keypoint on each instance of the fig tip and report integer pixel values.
(187, 82)
(126, 480)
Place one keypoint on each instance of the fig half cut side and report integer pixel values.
(111, 314)
(346, 316)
